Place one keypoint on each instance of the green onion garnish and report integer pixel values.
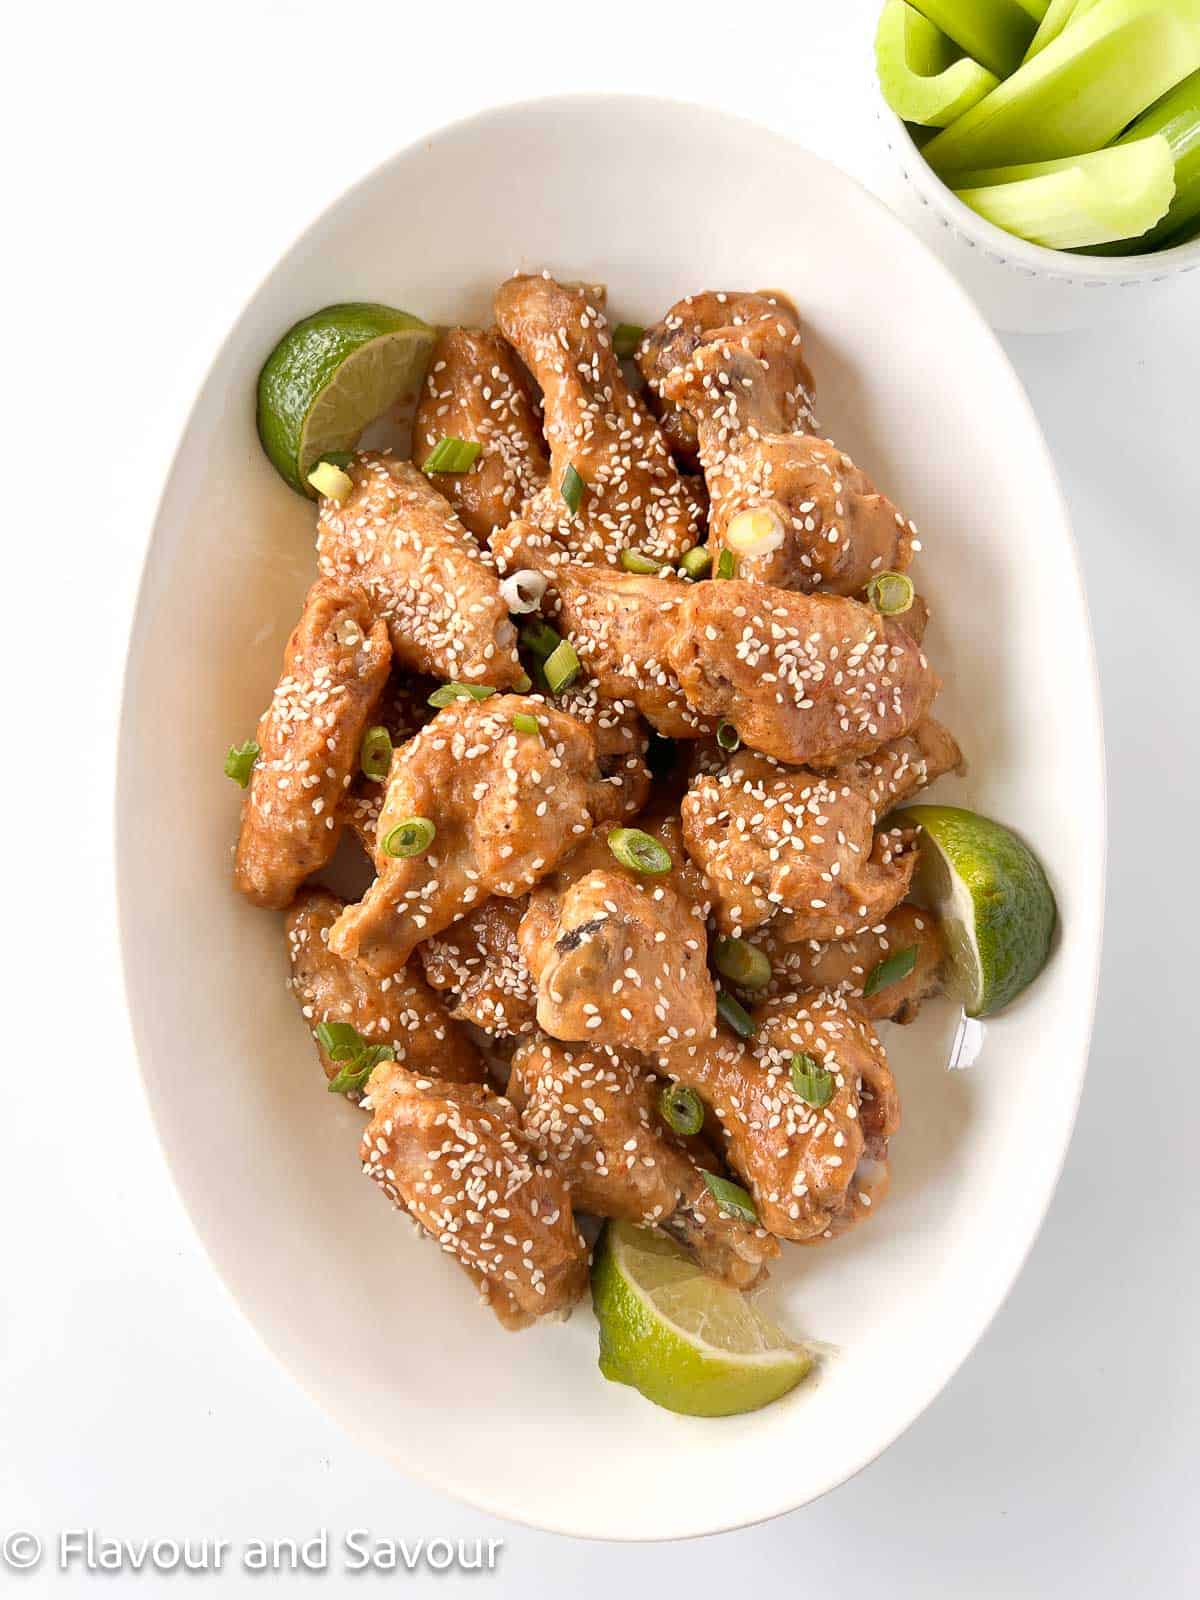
(734, 1015)
(742, 963)
(640, 852)
(682, 1109)
(811, 1081)
(375, 754)
(626, 338)
(644, 566)
(726, 564)
(731, 1197)
(450, 692)
(572, 487)
(562, 667)
(524, 723)
(452, 455)
(891, 593)
(696, 562)
(343, 1043)
(239, 763)
(411, 837)
(540, 639)
(523, 684)
(890, 970)
(728, 737)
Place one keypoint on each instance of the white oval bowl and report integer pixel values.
(656, 199)
(1022, 287)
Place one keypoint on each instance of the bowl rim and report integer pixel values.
(1006, 249)
(125, 836)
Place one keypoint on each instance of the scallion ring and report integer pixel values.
(572, 488)
(695, 563)
(524, 723)
(728, 737)
(452, 455)
(682, 1109)
(811, 1081)
(635, 561)
(626, 338)
(726, 564)
(239, 763)
(412, 837)
(375, 754)
(640, 852)
(731, 1197)
(891, 593)
(734, 1015)
(450, 692)
(562, 667)
(890, 970)
(742, 963)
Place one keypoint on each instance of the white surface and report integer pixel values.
(174, 161)
(266, 1163)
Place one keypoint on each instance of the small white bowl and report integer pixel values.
(655, 199)
(1020, 287)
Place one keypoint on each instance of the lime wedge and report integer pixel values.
(684, 1340)
(991, 897)
(333, 374)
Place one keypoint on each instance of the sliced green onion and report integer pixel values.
(731, 1197)
(728, 737)
(742, 963)
(375, 754)
(524, 723)
(811, 1081)
(339, 1040)
(682, 1109)
(890, 970)
(726, 564)
(995, 32)
(696, 562)
(640, 852)
(1177, 118)
(452, 455)
(540, 639)
(1112, 62)
(1081, 200)
(891, 593)
(239, 763)
(359, 1057)
(412, 837)
(562, 667)
(523, 684)
(635, 561)
(734, 1015)
(572, 487)
(626, 338)
(450, 692)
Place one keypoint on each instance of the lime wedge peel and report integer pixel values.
(684, 1340)
(991, 897)
(333, 374)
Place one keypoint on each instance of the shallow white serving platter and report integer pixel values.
(655, 199)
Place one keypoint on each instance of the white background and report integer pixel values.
(158, 158)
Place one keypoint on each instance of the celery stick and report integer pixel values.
(925, 78)
(1058, 14)
(1081, 90)
(1177, 117)
(1035, 8)
(994, 32)
(1079, 200)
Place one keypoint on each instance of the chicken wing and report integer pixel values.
(454, 1156)
(478, 390)
(845, 965)
(477, 963)
(507, 805)
(621, 742)
(402, 1011)
(632, 491)
(594, 1116)
(788, 846)
(820, 523)
(897, 770)
(812, 1170)
(334, 670)
(425, 575)
(768, 332)
(618, 954)
(403, 710)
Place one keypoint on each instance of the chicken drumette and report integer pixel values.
(813, 1169)
(454, 1156)
(846, 964)
(507, 805)
(594, 1116)
(477, 390)
(794, 508)
(334, 670)
(477, 964)
(632, 492)
(619, 954)
(425, 575)
(402, 1011)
